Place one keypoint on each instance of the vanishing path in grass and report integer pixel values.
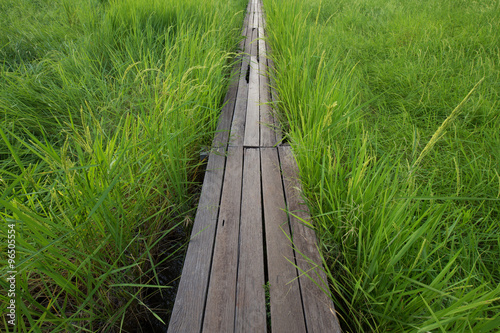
(241, 272)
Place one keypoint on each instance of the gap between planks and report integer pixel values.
(221, 288)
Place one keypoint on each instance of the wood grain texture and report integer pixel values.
(250, 299)
(189, 305)
(273, 96)
(267, 135)
(224, 125)
(240, 108)
(252, 134)
(245, 26)
(286, 305)
(274, 99)
(255, 23)
(241, 223)
(190, 299)
(221, 298)
(319, 311)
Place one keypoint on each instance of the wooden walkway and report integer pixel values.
(241, 238)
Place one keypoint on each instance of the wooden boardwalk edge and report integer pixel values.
(249, 251)
(198, 260)
(318, 306)
(286, 303)
(221, 298)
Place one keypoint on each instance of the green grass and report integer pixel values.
(392, 110)
(104, 107)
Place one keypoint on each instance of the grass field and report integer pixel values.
(392, 108)
(104, 108)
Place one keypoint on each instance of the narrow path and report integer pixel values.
(241, 239)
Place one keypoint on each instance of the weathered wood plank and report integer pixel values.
(274, 124)
(245, 26)
(255, 23)
(261, 6)
(254, 27)
(319, 311)
(191, 294)
(252, 135)
(221, 289)
(224, 125)
(250, 299)
(221, 298)
(286, 305)
(189, 304)
(274, 98)
(226, 117)
(267, 135)
(240, 109)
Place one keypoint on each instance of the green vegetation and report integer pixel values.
(392, 108)
(104, 106)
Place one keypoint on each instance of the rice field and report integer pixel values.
(105, 106)
(392, 109)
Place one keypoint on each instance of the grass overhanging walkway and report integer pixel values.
(104, 107)
(399, 151)
(242, 273)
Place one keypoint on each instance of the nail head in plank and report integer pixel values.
(221, 298)
(250, 299)
(319, 311)
(286, 305)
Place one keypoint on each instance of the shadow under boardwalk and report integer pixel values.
(241, 272)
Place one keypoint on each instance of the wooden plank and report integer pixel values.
(261, 8)
(319, 311)
(189, 304)
(274, 98)
(240, 109)
(226, 117)
(267, 135)
(254, 51)
(252, 135)
(255, 22)
(286, 305)
(224, 125)
(221, 298)
(250, 299)
(245, 26)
